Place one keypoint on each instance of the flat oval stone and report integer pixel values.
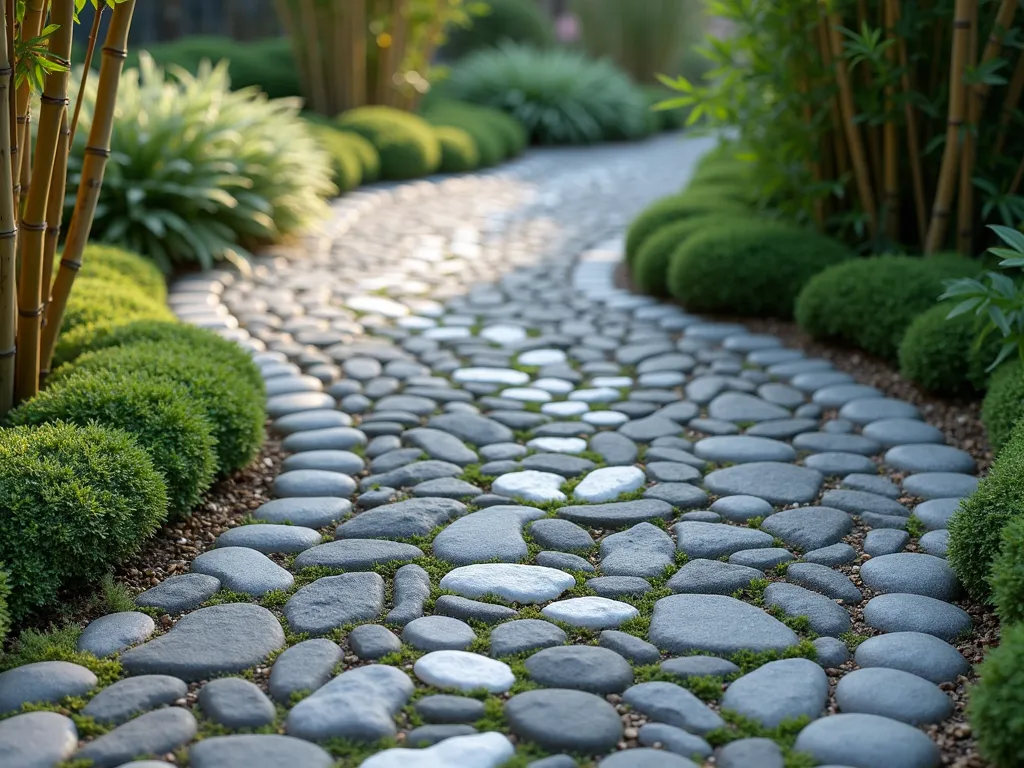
(153, 733)
(607, 483)
(328, 439)
(916, 613)
(902, 431)
(715, 624)
(308, 421)
(672, 740)
(466, 750)
(922, 655)
(184, 592)
(935, 514)
(739, 509)
(401, 520)
(334, 601)
(494, 533)
(295, 402)
(867, 410)
(310, 512)
(856, 739)
(617, 514)
(372, 641)
(699, 666)
(444, 708)
(885, 541)
(741, 407)
(619, 586)
(643, 550)
(257, 751)
(270, 539)
(779, 690)
(236, 703)
(837, 395)
(525, 635)
(823, 615)
(313, 482)
(643, 757)
(37, 740)
(512, 582)
(243, 570)
(217, 640)
(345, 462)
(580, 667)
(939, 485)
(590, 612)
(303, 667)
(741, 449)
(115, 632)
(894, 694)
(762, 559)
(714, 540)
(750, 752)
(930, 457)
(833, 463)
(126, 698)
(911, 573)
(809, 527)
(464, 671)
(821, 442)
(562, 720)
(858, 502)
(356, 554)
(774, 482)
(711, 577)
(552, 533)
(438, 633)
(935, 542)
(44, 682)
(530, 485)
(823, 579)
(672, 704)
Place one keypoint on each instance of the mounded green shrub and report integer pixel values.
(458, 150)
(348, 169)
(1007, 577)
(108, 262)
(492, 143)
(516, 21)
(939, 355)
(996, 701)
(74, 501)
(752, 268)
(236, 412)
(650, 267)
(559, 95)
(975, 528)
(206, 343)
(673, 208)
(159, 415)
(870, 303)
(95, 300)
(368, 156)
(5, 613)
(1003, 406)
(406, 143)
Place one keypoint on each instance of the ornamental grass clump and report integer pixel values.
(75, 500)
(159, 415)
(200, 173)
(235, 411)
(560, 96)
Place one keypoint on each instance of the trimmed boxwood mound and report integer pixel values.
(458, 150)
(236, 412)
(348, 169)
(997, 701)
(407, 146)
(113, 264)
(940, 355)
(1003, 406)
(975, 529)
(158, 414)
(752, 267)
(74, 501)
(205, 343)
(5, 613)
(650, 267)
(870, 303)
(1007, 578)
(673, 208)
(496, 135)
(95, 300)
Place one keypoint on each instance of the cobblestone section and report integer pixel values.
(527, 518)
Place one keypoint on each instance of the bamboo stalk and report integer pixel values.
(1017, 178)
(53, 107)
(8, 219)
(872, 132)
(890, 134)
(1013, 94)
(957, 104)
(862, 173)
(965, 199)
(913, 134)
(31, 26)
(1003, 22)
(89, 51)
(286, 13)
(338, 54)
(12, 100)
(357, 54)
(97, 151)
(841, 156)
(317, 81)
(55, 206)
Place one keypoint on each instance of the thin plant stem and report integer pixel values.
(965, 198)
(8, 218)
(94, 32)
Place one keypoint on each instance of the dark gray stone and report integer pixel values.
(445, 709)
(359, 704)
(153, 733)
(334, 601)
(617, 586)
(778, 691)
(674, 740)
(438, 633)
(774, 482)
(901, 431)
(750, 753)
(618, 514)
(356, 554)
(714, 540)
(243, 570)
(711, 577)
(762, 559)
(115, 632)
(674, 705)
(649, 428)
(495, 533)
(916, 613)
(270, 538)
(837, 554)
(304, 667)
(564, 720)
(429, 735)
(218, 640)
(629, 646)
(345, 462)
(871, 409)
(834, 463)
(821, 578)
(127, 698)
(525, 635)
(935, 542)
(307, 483)
(809, 528)
(643, 550)
(558, 463)
(783, 429)
(919, 654)
(412, 587)
(580, 667)
(402, 520)
(643, 757)
(471, 428)
(563, 535)
(930, 457)
(827, 442)
(894, 694)
(465, 609)
(415, 473)
(741, 407)
(824, 616)
(236, 703)
(309, 421)
(329, 439)
(830, 652)
(564, 561)
(447, 488)
(736, 449)
(715, 624)
(671, 472)
(838, 395)
(740, 509)
(309, 512)
(940, 485)
(699, 666)
(858, 502)
(176, 594)
(935, 514)
(857, 739)
(257, 751)
(876, 484)
(679, 495)
(911, 573)
(372, 641)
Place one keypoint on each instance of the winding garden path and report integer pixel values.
(671, 532)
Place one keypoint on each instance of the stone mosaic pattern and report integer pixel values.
(519, 502)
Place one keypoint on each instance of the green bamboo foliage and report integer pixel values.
(896, 124)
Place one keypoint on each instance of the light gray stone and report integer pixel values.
(114, 632)
(153, 733)
(894, 694)
(43, 682)
(714, 540)
(243, 570)
(184, 592)
(271, 539)
(257, 751)
(774, 482)
(922, 655)
(494, 533)
(37, 740)
(127, 698)
(334, 601)
(674, 705)
(308, 512)
(778, 691)
(372, 641)
(715, 624)
(916, 613)
(911, 573)
(303, 667)
(856, 739)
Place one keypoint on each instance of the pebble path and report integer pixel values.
(528, 516)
